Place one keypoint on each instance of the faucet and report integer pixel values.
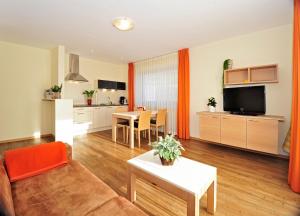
(109, 101)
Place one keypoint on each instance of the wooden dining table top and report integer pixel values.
(131, 114)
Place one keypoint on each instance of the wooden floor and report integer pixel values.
(248, 183)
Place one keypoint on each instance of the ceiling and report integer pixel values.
(161, 26)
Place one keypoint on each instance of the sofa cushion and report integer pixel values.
(118, 206)
(29, 161)
(6, 202)
(68, 190)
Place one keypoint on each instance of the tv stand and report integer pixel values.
(259, 133)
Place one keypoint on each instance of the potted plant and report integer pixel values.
(226, 65)
(212, 104)
(89, 96)
(56, 91)
(168, 149)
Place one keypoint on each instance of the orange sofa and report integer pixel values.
(67, 190)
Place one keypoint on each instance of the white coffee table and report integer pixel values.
(187, 179)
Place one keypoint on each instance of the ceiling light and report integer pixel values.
(123, 23)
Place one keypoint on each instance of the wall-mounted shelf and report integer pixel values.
(251, 75)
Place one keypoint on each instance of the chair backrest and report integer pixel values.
(144, 120)
(139, 108)
(161, 117)
(121, 109)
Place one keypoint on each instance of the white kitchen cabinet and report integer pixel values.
(82, 120)
(92, 119)
(108, 115)
(99, 117)
(83, 115)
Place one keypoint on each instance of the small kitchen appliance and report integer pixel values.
(123, 100)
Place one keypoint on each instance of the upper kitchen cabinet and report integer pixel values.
(106, 84)
(121, 85)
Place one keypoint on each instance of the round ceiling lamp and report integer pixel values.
(123, 23)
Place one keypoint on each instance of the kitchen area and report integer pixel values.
(97, 115)
(79, 112)
(108, 88)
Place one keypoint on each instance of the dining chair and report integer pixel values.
(143, 124)
(122, 123)
(139, 108)
(160, 121)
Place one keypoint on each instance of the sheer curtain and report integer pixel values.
(156, 86)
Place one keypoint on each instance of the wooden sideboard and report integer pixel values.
(259, 133)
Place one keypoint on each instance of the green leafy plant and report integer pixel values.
(56, 88)
(226, 64)
(212, 102)
(168, 148)
(89, 94)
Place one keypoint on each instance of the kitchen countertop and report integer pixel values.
(98, 105)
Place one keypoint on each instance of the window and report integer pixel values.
(156, 85)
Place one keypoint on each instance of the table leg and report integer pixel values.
(166, 126)
(131, 138)
(114, 129)
(212, 197)
(131, 192)
(193, 205)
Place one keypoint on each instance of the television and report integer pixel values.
(245, 100)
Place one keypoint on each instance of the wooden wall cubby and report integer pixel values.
(251, 75)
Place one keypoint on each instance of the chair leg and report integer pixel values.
(156, 133)
(149, 136)
(124, 134)
(117, 128)
(139, 138)
(127, 134)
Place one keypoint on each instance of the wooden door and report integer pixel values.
(210, 127)
(262, 135)
(233, 130)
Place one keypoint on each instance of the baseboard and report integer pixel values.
(26, 138)
(243, 149)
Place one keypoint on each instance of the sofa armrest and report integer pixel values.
(6, 199)
(69, 151)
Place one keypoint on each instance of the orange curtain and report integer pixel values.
(183, 109)
(294, 166)
(130, 86)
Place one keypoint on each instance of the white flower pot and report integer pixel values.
(211, 109)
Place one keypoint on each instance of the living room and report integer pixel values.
(108, 79)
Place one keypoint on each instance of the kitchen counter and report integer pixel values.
(98, 105)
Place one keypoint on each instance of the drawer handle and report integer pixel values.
(252, 120)
(80, 113)
(225, 118)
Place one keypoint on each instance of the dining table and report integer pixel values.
(131, 117)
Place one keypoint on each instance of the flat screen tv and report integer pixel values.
(245, 100)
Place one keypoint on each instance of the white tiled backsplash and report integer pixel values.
(102, 97)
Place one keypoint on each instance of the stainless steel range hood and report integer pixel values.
(73, 75)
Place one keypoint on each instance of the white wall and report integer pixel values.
(271, 46)
(25, 74)
(93, 70)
